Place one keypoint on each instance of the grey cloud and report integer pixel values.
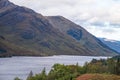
(108, 31)
(115, 25)
(99, 24)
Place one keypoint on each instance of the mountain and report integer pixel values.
(113, 44)
(88, 41)
(24, 32)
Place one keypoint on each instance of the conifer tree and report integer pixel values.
(30, 75)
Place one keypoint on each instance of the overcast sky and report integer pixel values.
(99, 17)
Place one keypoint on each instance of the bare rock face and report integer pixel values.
(24, 32)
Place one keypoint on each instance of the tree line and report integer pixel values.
(70, 72)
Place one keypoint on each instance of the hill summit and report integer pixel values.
(23, 32)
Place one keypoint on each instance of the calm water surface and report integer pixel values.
(21, 66)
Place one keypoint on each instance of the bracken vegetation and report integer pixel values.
(98, 77)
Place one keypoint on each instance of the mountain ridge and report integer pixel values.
(24, 32)
(114, 44)
(67, 27)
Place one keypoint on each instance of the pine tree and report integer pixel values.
(30, 75)
(118, 66)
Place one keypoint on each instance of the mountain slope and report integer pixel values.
(24, 32)
(112, 44)
(84, 38)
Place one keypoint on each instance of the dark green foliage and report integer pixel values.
(41, 76)
(110, 66)
(2, 50)
(17, 78)
(116, 57)
(59, 72)
(62, 72)
(30, 75)
(118, 67)
(71, 72)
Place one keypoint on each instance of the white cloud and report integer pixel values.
(105, 32)
(82, 12)
(82, 9)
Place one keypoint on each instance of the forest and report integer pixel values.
(110, 66)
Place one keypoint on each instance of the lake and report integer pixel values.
(21, 66)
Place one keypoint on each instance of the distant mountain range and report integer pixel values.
(114, 44)
(24, 32)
